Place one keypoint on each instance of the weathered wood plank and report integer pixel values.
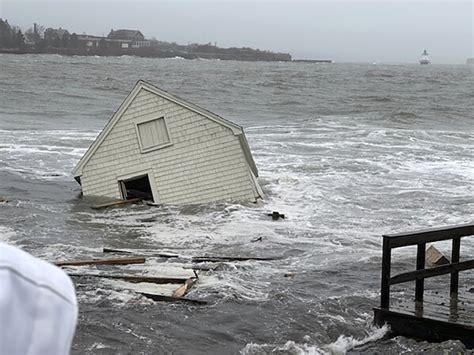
(115, 261)
(434, 257)
(116, 203)
(135, 278)
(184, 289)
(138, 251)
(439, 305)
(441, 312)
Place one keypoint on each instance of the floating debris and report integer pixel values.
(184, 289)
(119, 261)
(276, 215)
(138, 251)
(163, 298)
(117, 203)
(199, 259)
(136, 278)
(434, 257)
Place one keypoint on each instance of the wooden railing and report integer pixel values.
(421, 238)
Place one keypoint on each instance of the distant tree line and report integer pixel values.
(10, 36)
(37, 39)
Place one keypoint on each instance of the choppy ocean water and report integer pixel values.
(347, 151)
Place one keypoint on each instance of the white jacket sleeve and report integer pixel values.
(38, 306)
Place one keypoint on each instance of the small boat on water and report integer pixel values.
(424, 58)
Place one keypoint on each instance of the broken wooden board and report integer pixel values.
(115, 261)
(163, 298)
(116, 203)
(200, 259)
(135, 278)
(434, 257)
(154, 291)
(184, 288)
(140, 252)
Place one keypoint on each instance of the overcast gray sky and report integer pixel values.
(352, 31)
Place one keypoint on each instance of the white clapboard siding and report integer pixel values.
(201, 160)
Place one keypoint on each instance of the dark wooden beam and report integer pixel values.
(455, 259)
(430, 235)
(436, 271)
(385, 285)
(420, 265)
(163, 298)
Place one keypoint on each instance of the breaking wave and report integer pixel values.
(341, 346)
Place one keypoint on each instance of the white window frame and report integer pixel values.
(155, 147)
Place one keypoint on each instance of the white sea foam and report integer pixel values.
(233, 287)
(341, 346)
(120, 297)
(6, 233)
(44, 155)
(290, 347)
(98, 346)
(346, 343)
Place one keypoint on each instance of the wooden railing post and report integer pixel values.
(420, 265)
(386, 260)
(455, 259)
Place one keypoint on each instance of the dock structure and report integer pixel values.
(431, 315)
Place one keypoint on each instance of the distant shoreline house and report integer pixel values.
(158, 146)
(118, 40)
(134, 38)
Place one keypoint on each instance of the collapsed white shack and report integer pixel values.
(161, 147)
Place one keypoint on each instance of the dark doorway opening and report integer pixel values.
(138, 187)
